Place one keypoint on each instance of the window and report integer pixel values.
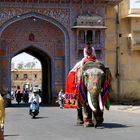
(99, 55)
(82, 36)
(25, 76)
(89, 36)
(17, 76)
(80, 54)
(97, 37)
(35, 75)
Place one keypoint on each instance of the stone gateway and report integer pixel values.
(53, 31)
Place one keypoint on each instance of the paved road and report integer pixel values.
(59, 124)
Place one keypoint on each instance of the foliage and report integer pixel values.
(20, 65)
(28, 65)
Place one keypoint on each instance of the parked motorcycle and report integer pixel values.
(34, 109)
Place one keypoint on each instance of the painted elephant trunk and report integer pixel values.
(93, 102)
(94, 86)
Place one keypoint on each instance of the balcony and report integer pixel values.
(97, 46)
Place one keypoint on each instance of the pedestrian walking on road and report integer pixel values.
(61, 99)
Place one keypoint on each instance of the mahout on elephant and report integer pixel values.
(92, 90)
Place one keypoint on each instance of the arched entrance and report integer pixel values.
(45, 61)
(46, 72)
(44, 38)
(44, 18)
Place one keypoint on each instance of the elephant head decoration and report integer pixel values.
(94, 77)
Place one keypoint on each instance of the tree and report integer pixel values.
(20, 65)
(33, 64)
(29, 65)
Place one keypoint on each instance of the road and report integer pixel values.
(60, 124)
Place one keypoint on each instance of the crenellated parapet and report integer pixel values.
(61, 15)
(110, 2)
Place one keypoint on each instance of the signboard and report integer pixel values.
(135, 4)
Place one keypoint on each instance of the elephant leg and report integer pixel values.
(98, 118)
(98, 114)
(87, 115)
(79, 116)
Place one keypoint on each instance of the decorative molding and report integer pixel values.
(89, 20)
(60, 14)
(109, 2)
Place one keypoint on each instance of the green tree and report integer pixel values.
(20, 65)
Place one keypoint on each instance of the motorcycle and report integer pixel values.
(34, 109)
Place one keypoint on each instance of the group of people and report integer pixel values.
(24, 95)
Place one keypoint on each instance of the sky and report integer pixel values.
(24, 57)
(135, 3)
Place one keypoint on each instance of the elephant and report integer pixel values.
(94, 83)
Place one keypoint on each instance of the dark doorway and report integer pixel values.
(46, 71)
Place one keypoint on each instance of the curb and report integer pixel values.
(124, 108)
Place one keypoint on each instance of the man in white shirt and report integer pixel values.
(34, 98)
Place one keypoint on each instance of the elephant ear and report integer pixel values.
(107, 89)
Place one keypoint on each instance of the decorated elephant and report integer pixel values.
(88, 89)
(94, 92)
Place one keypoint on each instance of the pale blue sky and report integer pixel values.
(24, 57)
(135, 3)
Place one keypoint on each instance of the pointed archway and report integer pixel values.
(44, 38)
(45, 61)
(50, 20)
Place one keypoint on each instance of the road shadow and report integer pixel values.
(113, 125)
(40, 118)
(11, 135)
(24, 105)
(21, 105)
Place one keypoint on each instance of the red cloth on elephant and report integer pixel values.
(71, 91)
(90, 58)
(70, 83)
(82, 91)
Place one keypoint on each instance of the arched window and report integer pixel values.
(89, 36)
(97, 37)
(81, 36)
